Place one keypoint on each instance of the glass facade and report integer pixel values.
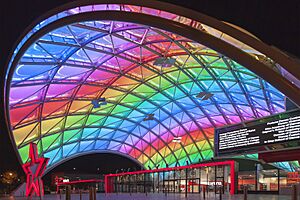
(198, 178)
(267, 180)
(209, 177)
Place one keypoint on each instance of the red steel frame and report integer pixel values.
(108, 178)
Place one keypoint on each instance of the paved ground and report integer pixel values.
(141, 196)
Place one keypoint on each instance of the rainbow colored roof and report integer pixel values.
(150, 111)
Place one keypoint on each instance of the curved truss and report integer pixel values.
(54, 82)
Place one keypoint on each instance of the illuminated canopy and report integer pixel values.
(80, 82)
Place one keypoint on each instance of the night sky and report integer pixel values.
(275, 22)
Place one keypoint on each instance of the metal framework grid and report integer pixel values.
(56, 79)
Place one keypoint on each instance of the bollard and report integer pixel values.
(245, 193)
(68, 192)
(90, 194)
(95, 193)
(80, 194)
(221, 193)
(203, 191)
(294, 193)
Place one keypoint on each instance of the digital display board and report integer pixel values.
(274, 129)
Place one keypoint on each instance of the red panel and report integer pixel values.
(280, 156)
(24, 114)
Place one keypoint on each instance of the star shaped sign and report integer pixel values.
(34, 171)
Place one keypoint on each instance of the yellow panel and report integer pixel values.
(21, 133)
(51, 124)
(80, 106)
(164, 151)
(112, 95)
(143, 158)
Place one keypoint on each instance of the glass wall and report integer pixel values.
(267, 180)
(260, 180)
(175, 180)
(196, 178)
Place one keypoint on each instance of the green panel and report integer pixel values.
(95, 120)
(103, 109)
(131, 100)
(174, 75)
(195, 158)
(220, 64)
(170, 159)
(51, 141)
(75, 121)
(207, 154)
(144, 90)
(71, 135)
(24, 152)
(209, 59)
(149, 164)
(195, 71)
(183, 78)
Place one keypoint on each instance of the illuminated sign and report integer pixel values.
(275, 129)
(34, 171)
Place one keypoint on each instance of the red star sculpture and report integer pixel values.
(34, 171)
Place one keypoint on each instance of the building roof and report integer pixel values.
(88, 85)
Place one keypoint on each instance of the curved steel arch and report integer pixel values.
(183, 29)
(234, 53)
(291, 65)
(48, 169)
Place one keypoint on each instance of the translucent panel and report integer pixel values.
(142, 105)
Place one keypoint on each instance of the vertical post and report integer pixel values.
(215, 186)
(163, 189)
(234, 168)
(206, 190)
(68, 192)
(223, 180)
(145, 183)
(294, 192)
(122, 184)
(256, 176)
(221, 192)
(153, 181)
(203, 191)
(245, 193)
(90, 194)
(186, 184)
(174, 183)
(158, 181)
(80, 195)
(168, 183)
(116, 183)
(179, 182)
(129, 184)
(95, 193)
(199, 186)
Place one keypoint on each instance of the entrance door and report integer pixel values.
(219, 183)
